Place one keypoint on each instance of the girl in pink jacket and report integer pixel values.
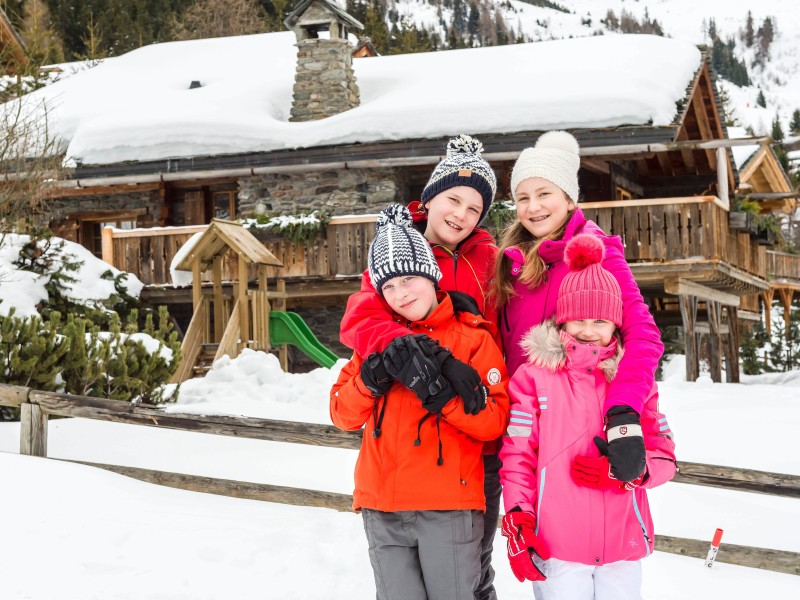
(574, 529)
(544, 184)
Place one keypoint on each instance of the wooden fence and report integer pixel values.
(341, 249)
(36, 405)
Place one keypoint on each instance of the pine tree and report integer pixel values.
(794, 126)
(41, 40)
(749, 33)
(760, 100)
(777, 129)
(220, 18)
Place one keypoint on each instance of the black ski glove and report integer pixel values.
(405, 360)
(625, 446)
(374, 375)
(465, 380)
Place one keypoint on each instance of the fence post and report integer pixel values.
(33, 430)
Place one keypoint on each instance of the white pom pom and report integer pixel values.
(396, 215)
(464, 144)
(559, 140)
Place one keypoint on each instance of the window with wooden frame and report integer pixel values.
(622, 194)
(225, 204)
(89, 226)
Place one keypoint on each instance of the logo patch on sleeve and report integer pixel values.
(493, 376)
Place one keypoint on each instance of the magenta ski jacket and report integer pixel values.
(639, 332)
(557, 402)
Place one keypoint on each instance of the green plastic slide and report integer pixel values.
(289, 328)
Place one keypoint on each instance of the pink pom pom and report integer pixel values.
(583, 250)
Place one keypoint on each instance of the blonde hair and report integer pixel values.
(534, 268)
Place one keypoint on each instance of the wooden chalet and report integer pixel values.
(665, 188)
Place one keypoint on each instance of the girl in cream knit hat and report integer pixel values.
(531, 267)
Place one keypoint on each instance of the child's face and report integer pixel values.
(453, 215)
(542, 206)
(410, 296)
(591, 331)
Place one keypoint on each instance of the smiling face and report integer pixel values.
(453, 215)
(591, 331)
(410, 296)
(542, 206)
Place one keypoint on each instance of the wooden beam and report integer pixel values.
(714, 341)
(736, 478)
(685, 287)
(100, 190)
(732, 346)
(781, 561)
(688, 306)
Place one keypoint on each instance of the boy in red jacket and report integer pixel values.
(419, 474)
(455, 200)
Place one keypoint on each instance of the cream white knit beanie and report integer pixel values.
(555, 158)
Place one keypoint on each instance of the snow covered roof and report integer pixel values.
(139, 106)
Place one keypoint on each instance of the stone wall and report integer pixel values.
(342, 192)
(324, 83)
(59, 208)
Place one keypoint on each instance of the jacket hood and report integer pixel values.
(546, 346)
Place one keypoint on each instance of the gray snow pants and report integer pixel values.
(425, 554)
(494, 493)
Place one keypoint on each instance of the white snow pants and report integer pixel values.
(575, 581)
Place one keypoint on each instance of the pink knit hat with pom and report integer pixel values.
(588, 291)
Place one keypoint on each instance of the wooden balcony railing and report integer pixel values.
(783, 267)
(659, 230)
(340, 250)
(678, 229)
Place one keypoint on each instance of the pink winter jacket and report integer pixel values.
(640, 335)
(556, 410)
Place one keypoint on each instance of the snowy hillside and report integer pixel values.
(779, 78)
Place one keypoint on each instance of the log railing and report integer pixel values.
(678, 229)
(37, 405)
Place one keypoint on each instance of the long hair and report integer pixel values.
(534, 268)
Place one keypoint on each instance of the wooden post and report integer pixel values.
(688, 306)
(732, 355)
(264, 288)
(107, 244)
(197, 289)
(714, 356)
(767, 297)
(280, 304)
(786, 299)
(244, 306)
(219, 309)
(33, 430)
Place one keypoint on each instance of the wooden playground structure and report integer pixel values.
(224, 323)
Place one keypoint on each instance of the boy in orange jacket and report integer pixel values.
(419, 474)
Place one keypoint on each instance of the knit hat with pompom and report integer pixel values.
(588, 291)
(463, 166)
(555, 158)
(399, 249)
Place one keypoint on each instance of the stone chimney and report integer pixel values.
(324, 82)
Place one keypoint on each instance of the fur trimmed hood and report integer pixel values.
(546, 346)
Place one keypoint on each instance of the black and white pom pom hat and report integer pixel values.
(399, 249)
(463, 166)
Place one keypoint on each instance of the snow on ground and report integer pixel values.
(99, 535)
